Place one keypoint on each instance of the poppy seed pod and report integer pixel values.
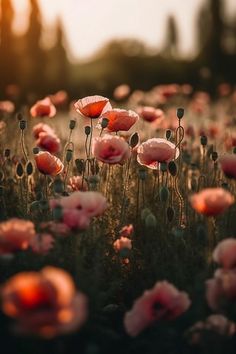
(19, 170)
(80, 165)
(214, 156)
(134, 140)
(150, 221)
(170, 213)
(164, 194)
(168, 134)
(163, 166)
(23, 124)
(35, 150)
(180, 112)
(104, 123)
(87, 130)
(19, 116)
(203, 140)
(58, 186)
(69, 155)
(72, 124)
(7, 152)
(29, 168)
(172, 168)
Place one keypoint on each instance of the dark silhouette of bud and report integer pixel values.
(87, 130)
(163, 166)
(19, 116)
(104, 123)
(180, 112)
(214, 155)
(69, 155)
(72, 124)
(134, 140)
(23, 124)
(168, 134)
(35, 150)
(29, 168)
(170, 213)
(172, 167)
(19, 170)
(203, 140)
(7, 152)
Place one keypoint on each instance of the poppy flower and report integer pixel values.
(43, 108)
(7, 107)
(59, 98)
(111, 149)
(127, 230)
(15, 235)
(49, 142)
(76, 184)
(162, 302)
(156, 150)
(122, 243)
(91, 106)
(44, 303)
(121, 92)
(48, 164)
(228, 165)
(150, 114)
(225, 253)
(211, 201)
(120, 119)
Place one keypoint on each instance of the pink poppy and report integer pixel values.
(156, 150)
(57, 228)
(150, 114)
(91, 106)
(228, 165)
(42, 128)
(42, 243)
(122, 243)
(59, 98)
(15, 235)
(49, 142)
(225, 253)
(48, 164)
(44, 303)
(121, 92)
(111, 149)
(120, 119)
(43, 108)
(7, 107)
(162, 302)
(211, 201)
(76, 219)
(221, 290)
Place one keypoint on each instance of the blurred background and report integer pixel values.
(89, 46)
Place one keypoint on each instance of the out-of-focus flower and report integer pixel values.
(122, 243)
(150, 114)
(59, 98)
(156, 150)
(42, 243)
(111, 149)
(218, 324)
(49, 142)
(42, 128)
(127, 230)
(7, 107)
(121, 92)
(43, 108)
(228, 165)
(80, 207)
(59, 229)
(211, 201)
(44, 303)
(225, 253)
(162, 302)
(221, 290)
(120, 119)
(76, 184)
(48, 164)
(91, 106)
(15, 235)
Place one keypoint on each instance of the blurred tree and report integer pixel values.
(8, 60)
(170, 48)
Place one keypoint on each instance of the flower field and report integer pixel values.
(117, 222)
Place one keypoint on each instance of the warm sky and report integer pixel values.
(89, 24)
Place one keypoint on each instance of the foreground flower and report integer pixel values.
(221, 290)
(225, 253)
(228, 165)
(111, 149)
(91, 106)
(156, 150)
(15, 235)
(43, 108)
(150, 114)
(211, 201)
(48, 164)
(120, 119)
(162, 302)
(44, 303)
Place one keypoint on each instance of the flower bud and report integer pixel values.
(203, 140)
(87, 130)
(168, 134)
(69, 155)
(72, 124)
(23, 124)
(180, 113)
(104, 123)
